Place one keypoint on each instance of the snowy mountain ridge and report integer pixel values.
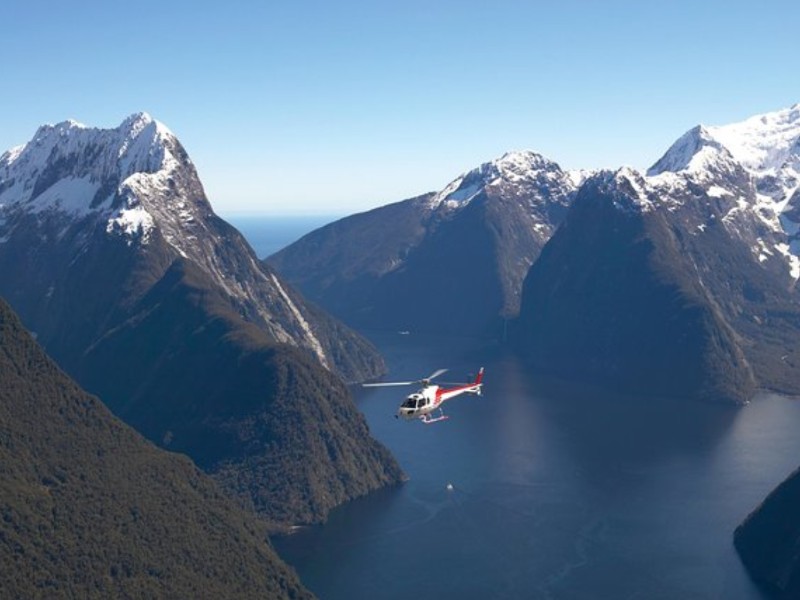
(517, 168)
(749, 173)
(137, 145)
(78, 170)
(134, 178)
(765, 144)
(714, 186)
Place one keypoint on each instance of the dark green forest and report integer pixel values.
(90, 509)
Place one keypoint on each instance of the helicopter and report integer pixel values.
(430, 397)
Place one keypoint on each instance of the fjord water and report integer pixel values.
(558, 490)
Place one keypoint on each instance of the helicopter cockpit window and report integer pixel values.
(415, 401)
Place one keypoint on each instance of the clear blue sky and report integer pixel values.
(339, 106)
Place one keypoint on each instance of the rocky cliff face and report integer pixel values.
(452, 261)
(111, 253)
(91, 509)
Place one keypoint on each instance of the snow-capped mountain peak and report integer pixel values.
(763, 143)
(78, 170)
(139, 144)
(133, 179)
(628, 189)
(521, 164)
(751, 172)
(136, 122)
(518, 168)
(766, 145)
(145, 145)
(132, 189)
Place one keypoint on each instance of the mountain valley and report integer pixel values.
(675, 284)
(449, 262)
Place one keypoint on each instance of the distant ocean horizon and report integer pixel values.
(269, 233)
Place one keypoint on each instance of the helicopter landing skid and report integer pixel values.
(427, 419)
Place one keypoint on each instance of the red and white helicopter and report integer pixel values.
(430, 397)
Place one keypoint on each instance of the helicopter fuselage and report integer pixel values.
(429, 398)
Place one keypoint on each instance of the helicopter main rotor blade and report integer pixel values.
(390, 383)
(435, 374)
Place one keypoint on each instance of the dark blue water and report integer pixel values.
(267, 234)
(558, 491)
